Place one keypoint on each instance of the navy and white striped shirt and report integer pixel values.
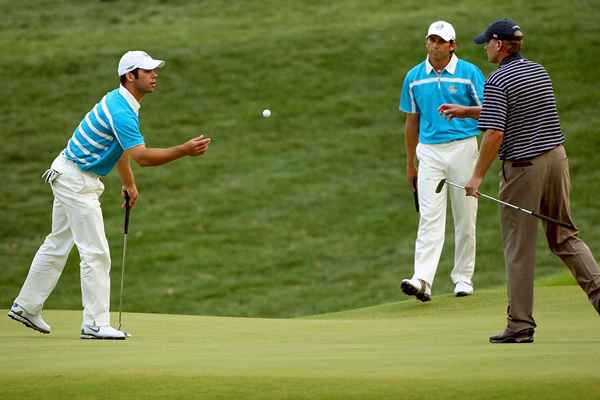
(519, 101)
(109, 128)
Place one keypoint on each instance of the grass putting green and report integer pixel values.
(438, 350)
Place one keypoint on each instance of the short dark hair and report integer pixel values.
(123, 78)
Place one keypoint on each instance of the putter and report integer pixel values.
(415, 194)
(534, 214)
(125, 229)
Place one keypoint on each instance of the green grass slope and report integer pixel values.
(303, 213)
(437, 350)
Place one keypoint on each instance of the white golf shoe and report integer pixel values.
(416, 287)
(463, 289)
(35, 322)
(101, 332)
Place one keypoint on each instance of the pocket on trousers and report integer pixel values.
(72, 181)
(514, 174)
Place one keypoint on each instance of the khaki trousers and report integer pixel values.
(543, 185)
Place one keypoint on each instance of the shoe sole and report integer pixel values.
(463, 294)
(516, 340)
(410, 290)
(92, 337)
(26, 322)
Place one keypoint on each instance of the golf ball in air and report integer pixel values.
(266, 113)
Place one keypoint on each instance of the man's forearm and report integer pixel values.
(156, 156)
(473, 112)
(125, 171)
(411, 139)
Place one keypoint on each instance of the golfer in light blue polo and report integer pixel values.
(107, 138)
(445, 149)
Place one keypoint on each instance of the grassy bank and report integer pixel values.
(302, 213)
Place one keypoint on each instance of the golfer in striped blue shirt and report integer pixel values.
(108, 135)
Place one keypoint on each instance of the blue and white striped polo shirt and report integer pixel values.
(111, 127)
(424, 90)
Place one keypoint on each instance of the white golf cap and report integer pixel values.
(443, 29)
(137, 59)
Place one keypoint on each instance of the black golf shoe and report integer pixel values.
(522, 336)
(416, 287)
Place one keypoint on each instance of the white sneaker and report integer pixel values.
(101, 332)
(416, 287)
(463, 289)
(35, 322)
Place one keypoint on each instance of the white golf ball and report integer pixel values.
(266, 113)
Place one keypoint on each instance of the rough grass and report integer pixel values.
(302, 213)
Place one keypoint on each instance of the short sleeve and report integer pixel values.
(127, 130)
(407, 100)
(478, 81)
(494, 110)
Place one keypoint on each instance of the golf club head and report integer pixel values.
(440, 186)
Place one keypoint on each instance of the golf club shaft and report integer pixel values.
(122, 278)
(566, 225)
(125, 230)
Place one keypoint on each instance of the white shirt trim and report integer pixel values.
(130, 99)
(450, 67)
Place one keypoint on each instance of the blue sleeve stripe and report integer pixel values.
(413, 103)
(84, 135)
(96, 122)
(442, 79)
(110, 120)
(95, 130)
(72, 156)
(83, 149)
(97, 115)
(474, 93)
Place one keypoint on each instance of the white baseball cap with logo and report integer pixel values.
(443, 29)
(137, 59)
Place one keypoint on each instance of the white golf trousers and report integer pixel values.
(454, 161)
(76, 219)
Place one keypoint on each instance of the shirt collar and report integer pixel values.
(135, 105)
(451, 67)
(511, 58)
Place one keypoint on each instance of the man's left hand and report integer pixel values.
(133, 195)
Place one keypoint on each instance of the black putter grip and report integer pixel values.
(127, 208)
(555, 221)
(415, 194)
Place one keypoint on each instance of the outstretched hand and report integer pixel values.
(196, 146)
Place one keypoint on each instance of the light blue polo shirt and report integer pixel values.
(109, 128)
(424, 90)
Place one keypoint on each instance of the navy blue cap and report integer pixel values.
(502, 29)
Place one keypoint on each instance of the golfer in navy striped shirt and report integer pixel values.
(522, 127)
(108, 136)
